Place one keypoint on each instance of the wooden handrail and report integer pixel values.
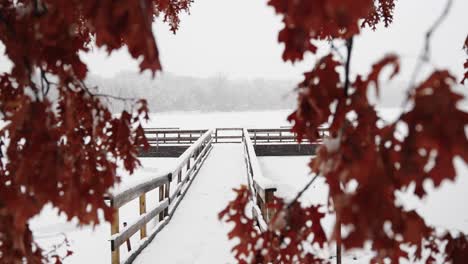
(176, 138)
(192, 151)
(171, 136)
(282, 135)
(182, 188)
(178, 190)
(121, 197)
(282, 129)
(168, 202)
(174, 131)
(232, 138)
(277, 138)
(261, 188)
(230, 128)
(258, 135)
(162, 128)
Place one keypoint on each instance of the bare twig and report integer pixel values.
(44, 80)
(147, 23)
(119, 98)
(40, 9)
(349, 47)
(305, 188)
(336, 50)
(8, 25)
(424, 57)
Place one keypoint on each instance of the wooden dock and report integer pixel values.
(191, 148)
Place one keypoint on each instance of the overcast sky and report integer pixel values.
(239, 39)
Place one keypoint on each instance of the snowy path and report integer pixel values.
(194, 234)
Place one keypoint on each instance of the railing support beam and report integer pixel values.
(143, 211)
(161, 198)
(114, 230)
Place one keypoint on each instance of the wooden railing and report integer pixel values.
(229, 135)
(181, 175)
(262, 189)
(172, 136)
(279, 135)
(175, 136)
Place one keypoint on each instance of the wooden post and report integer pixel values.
(338, 241)
(281, 136)
(114, 230)
(261, 204)
(179, 176)
(129, 246)
(195, 163)
(269, 199)
(143, 211)
(216, 136)
(166, 195)
(161, 197)
(255, 137)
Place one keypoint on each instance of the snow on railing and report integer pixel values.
(262, 189)
(262, 181)
(185, 171)
(173, 135)
(280, 135)
(124, 193)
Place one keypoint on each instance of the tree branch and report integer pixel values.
(300, 193)
(336, 50)
(349, 47)
(45, 88)
(39, 9)
(424, 57)
(119, 98)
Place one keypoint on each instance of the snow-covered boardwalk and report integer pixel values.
(195, 235)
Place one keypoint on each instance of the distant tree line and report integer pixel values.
(169, 92)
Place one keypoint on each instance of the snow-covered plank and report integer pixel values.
(196, 220)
